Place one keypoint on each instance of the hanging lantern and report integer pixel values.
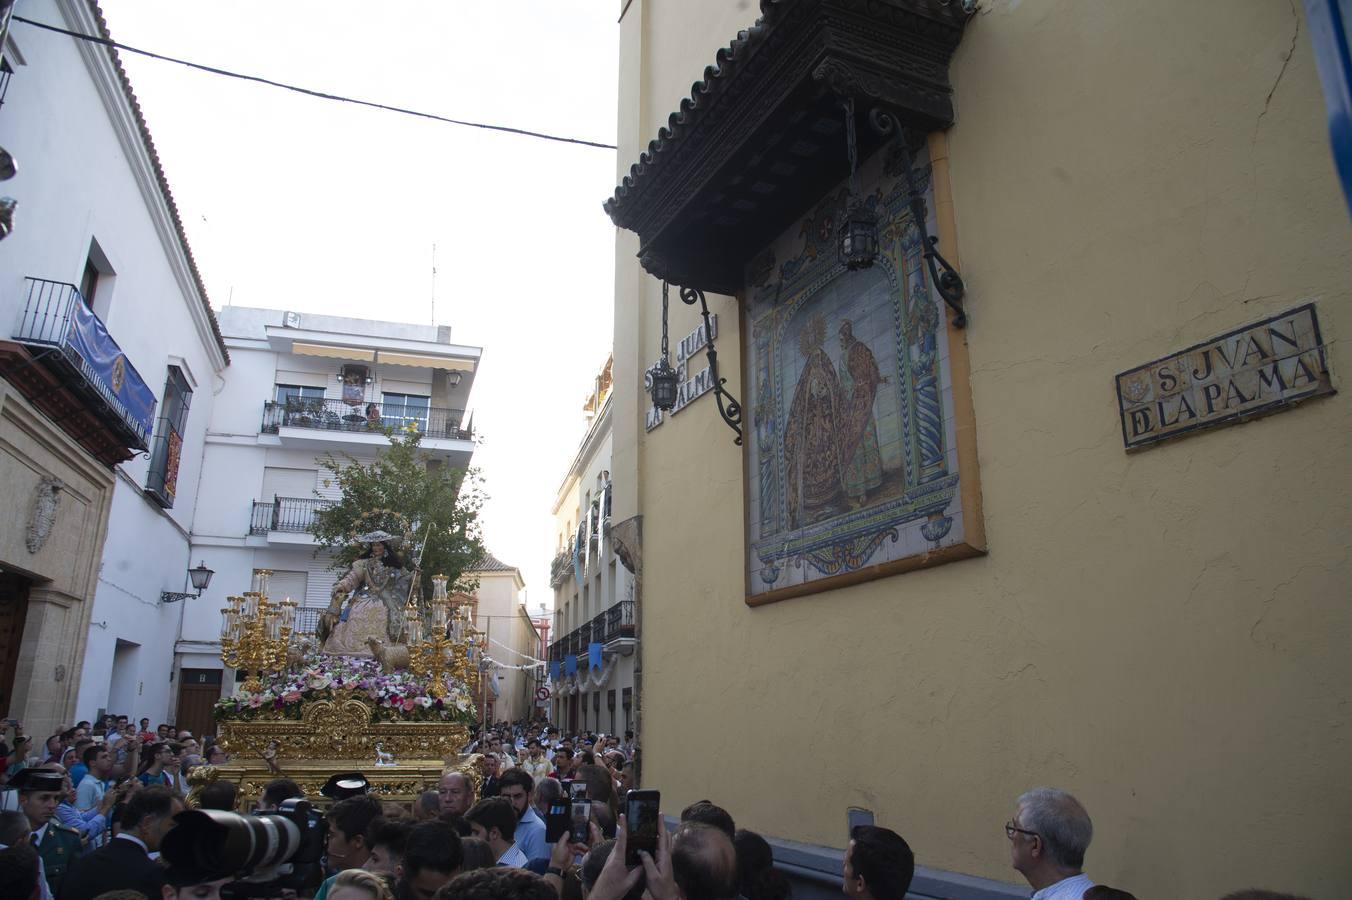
(663, 385)
(858, 237)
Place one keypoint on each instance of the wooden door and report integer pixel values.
(13, 609)
(198, 691)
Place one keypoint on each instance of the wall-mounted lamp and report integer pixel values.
(200, 577)
(664, 378)
(663, 375)
(948, 282)
(858, 233)
(453, 378)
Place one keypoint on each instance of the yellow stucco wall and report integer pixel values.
(1164, 634)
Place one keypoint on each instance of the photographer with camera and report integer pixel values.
(255, 856)
(124, 862)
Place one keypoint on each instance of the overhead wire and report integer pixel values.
(310, 92)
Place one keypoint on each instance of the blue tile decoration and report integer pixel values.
(849, 459)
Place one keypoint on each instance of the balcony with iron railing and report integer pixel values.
(561, 569)
(339, 417)
(83, 380)
(294, 515)
(614, 628)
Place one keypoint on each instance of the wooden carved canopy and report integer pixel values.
(761, 137)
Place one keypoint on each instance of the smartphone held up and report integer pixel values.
(642, 810)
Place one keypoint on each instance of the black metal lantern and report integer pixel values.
(201, 577)
(663, 375)
(858, 237)
(663, 385)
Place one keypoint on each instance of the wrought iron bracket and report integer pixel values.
(176, 596)
(947, 282)
(728, 406)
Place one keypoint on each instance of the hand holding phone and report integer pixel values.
(642, 818)
(557, 820)
(580, 821)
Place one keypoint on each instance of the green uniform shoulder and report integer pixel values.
(64, 829)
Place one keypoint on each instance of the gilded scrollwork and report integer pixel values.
(341, 729)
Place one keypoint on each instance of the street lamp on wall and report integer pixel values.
(200, 578)
(858, 233)
(663, 375)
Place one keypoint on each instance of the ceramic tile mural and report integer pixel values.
(851, 461)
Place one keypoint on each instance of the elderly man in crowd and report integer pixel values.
(1048, 837)
(456, 793)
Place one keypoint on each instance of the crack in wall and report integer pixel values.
(1286, 61)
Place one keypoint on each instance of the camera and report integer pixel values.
(265, 854)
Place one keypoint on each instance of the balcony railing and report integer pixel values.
(613, 624)
(294, 514)
(561, 569)
(307, 619)
(336, 415)
(87, 358)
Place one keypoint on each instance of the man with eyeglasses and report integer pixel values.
(1048, 837)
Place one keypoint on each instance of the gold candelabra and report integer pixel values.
(256, 631)
(441, 644)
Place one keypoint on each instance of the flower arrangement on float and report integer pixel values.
(399, 696)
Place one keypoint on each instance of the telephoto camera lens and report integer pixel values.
(221, 843)
(264, 853)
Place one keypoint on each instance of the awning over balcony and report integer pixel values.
(761, 137)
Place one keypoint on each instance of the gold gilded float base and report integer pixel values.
(399, 783)
(341, 730)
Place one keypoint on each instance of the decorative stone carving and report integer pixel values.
(42, 516)
(626, 538)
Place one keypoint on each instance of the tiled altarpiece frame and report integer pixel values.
(853, 473)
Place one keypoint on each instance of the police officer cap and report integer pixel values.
(344, 785)
(37, 780)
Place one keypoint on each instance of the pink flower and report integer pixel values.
(255, 701)
(409, 703)
(291, 696)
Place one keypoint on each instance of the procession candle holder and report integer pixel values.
(256, 632)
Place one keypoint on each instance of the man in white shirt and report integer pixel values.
(1048, 837)
(494, 821)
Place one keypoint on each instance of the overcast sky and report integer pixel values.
(304, 204)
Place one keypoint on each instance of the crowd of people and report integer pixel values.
(86, 821)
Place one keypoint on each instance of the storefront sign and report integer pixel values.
(1259, 369)
(106, 369)
(688, 388)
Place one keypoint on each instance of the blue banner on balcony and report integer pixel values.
(554, 670)
(594, 655)
(107, 370)
(570, 664)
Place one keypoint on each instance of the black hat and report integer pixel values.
(344, 785)
(37, 780)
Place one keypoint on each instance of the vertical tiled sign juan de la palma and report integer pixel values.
(1261, 368)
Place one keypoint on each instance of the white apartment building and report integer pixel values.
(301, 386)
(593, 590)
(110, 358)
(508, 691)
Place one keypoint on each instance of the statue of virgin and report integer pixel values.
(368, 601)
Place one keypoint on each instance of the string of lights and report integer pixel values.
(323, 95)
